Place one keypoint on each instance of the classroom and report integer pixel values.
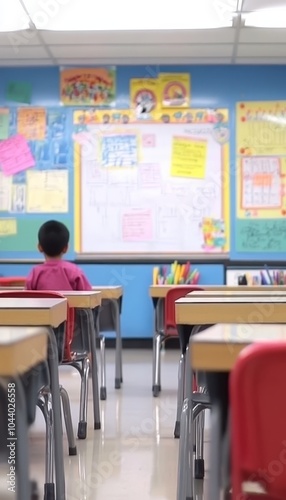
(142, 251)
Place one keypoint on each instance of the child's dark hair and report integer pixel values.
(53, 238)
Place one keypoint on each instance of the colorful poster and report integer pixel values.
(214, 234)
(15, 155)
(175, 90)
(4, 123)
(189, 157)
(88, 87)
(32, 123)
(261, 235)
(144, 97)
(119, 150)
(47, 191)
(84, 117)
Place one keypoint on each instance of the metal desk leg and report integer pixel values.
(93, 334)
(215, 454)
(157, 340)
(118, 349)
(55, 391)
(23, 488)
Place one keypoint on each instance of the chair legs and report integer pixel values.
(180, 397)
(46, 407)
(82, 425)
(68, 421)
(199, 465)
(102, 368)
(157, 365)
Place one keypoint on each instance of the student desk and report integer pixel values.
(207, 310)
(216, 350)
(50, 313)
(113, 295)
(21, 349)
(89, 300)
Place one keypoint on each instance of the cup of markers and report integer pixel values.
(176, 274)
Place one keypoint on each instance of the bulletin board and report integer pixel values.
(36, 176)
(261, 177)
(158, 186)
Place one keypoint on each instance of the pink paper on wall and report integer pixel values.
(15, 155)
(137, 225)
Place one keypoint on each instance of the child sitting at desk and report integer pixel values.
(55, 274)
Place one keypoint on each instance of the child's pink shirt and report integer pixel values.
(57, 275)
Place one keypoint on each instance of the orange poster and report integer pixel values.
(31, 123)
(88, 87)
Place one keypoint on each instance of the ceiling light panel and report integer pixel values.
(72, 15)
(13, 16)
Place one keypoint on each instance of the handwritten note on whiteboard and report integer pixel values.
(119, 150)
(32, 123)
(189, 157)
(15, 155)
(137, 225)
(47, 191)
(261, 183)
(149, 175)
(8, 227)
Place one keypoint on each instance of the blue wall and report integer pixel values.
(213, 87)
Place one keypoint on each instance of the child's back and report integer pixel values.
(55, 274)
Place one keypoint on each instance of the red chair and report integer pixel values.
(12, 281)
(258, 421)
(77, 358)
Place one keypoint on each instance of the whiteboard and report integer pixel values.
(133, 201)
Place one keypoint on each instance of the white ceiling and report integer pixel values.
(234, 45)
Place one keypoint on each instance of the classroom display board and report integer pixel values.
(261, 177)
(152, 186)
(36, 175)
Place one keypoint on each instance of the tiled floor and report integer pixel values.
(134, 456)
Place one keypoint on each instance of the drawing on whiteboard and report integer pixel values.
(261, 183)
(189, 157)
(149, 175)
(119, 150)
(214, 234)
(137, 225)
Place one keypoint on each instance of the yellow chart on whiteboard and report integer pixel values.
(189, 157)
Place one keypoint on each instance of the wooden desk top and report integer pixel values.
(109, 292)
(21, 349)
(235, 293)
(32, 312)
(250, 309)
(82, 300)
(160, 291)
(217, 348)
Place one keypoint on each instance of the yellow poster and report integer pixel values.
(32, 123)
(261, 160)
(261, 128)
(8, 227)
(189, 157)
(175, 90)
(144, 97)
(47, 191)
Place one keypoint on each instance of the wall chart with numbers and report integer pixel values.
(152, 186)
(261, 177)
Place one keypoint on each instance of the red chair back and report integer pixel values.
(12, 281)
(258, 420)
(174, 294)
(41, 294)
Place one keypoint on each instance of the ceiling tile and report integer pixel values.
(260, 60)
(262, 35)
(139, 51)
(261, 50)
(19, 38)
(23, 52)
(150, 37)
